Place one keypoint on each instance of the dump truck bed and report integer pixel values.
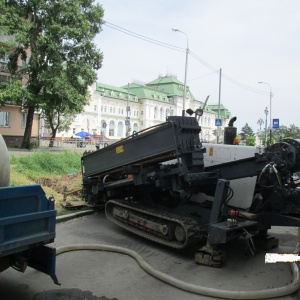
(27, 219)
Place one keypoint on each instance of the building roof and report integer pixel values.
(164, 80)
(169, 85)
(114, 92)
(162, 89)
(145, 92)
(224, 112)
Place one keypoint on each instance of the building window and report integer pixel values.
(4, 78)
(23, 120)
(110, 110)
(25, 62)
(161, 113)
(4, 119)
(74, 130)
(103, 127)
(4, 57)
(105, 109)
(135, 127)
(155, 112)
(111, 128)
(95, 107)
(120, 129)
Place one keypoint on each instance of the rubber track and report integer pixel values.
(192, 229)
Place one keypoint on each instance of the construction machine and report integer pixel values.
(165, 185)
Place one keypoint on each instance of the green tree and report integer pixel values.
(55, 39)
(246, 132)
(61, 104)
(292, 132)
(250, 141)
(279, 133)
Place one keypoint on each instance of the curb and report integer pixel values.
(68, 217)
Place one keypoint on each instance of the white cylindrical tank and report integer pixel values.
(4, 163)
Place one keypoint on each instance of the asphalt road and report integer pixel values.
(94, 275)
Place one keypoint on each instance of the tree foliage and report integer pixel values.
(292, 132)
(284, 132)
(250, 141)
(61, 103)
(55, 39)
(246, 132)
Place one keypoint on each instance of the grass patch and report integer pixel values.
(45, 163)
(28, 169)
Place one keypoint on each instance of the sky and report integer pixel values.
(251, 41)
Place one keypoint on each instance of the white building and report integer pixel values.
(115, 112)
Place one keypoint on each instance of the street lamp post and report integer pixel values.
(266, 112)
(260, 122)
(271, 95)
(186, 66)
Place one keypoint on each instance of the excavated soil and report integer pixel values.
(65, 184)
(66, 191)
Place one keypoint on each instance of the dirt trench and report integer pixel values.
(64, 184)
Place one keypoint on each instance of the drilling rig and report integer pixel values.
(167, 186)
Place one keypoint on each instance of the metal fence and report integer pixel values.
(74, 143)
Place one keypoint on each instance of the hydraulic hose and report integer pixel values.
(192, 288)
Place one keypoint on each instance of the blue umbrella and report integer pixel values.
(83, 134)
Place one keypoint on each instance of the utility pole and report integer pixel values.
(185, 71)
(218, 129)
(271, 95)
(127, 122)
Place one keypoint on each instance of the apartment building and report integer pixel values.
(12, 116)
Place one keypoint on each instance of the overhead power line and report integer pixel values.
(241, 85)
(144, 38)
(180, 49)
